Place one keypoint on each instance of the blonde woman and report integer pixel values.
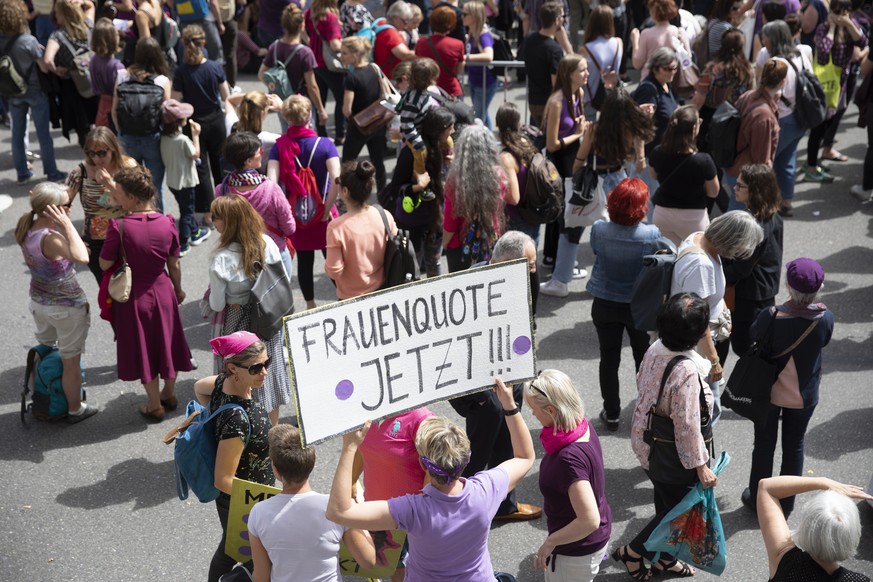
(571, 480)
(51, 246)
(363, 87)
(440, 549)
(248, 112)
(75, 22)
(480, 50)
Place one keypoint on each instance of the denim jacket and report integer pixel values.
(619, 252)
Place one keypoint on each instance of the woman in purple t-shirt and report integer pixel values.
(571, 480)
(442, 545)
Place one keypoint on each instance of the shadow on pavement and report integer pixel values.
(843, 434)
(134, 479)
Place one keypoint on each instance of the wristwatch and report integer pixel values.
(512, 412)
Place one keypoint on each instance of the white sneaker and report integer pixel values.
(863, 195)
(554, 288)
(579, 273)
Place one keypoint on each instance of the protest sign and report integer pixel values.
(246, 494)
(402, 348)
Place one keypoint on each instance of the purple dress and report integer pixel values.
(150, 338)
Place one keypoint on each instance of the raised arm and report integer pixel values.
(522, 445)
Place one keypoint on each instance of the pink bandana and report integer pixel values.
(227, 346)
(555, 441)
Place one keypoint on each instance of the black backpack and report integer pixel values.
(463, 112)
(400, 264)
(139, 106)
(543, 199)
(809, 98)
(502, 52)
(723, 132)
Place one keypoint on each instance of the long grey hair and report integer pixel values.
(475, 177)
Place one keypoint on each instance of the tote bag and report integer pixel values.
(829, 77)
(584, 198)
(692, 531)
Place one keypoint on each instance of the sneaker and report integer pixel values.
(427, 195)
(60, 177)
(819, 176)
(198, 237)
(184, 250)
(579, 273)
(611, 423)
(25, 178)
(89, 411)
(31, 155)
(554, 288)
(863, 195)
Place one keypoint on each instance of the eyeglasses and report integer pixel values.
(256, 369)
(96, 154)
(741, 185)
(673, 68)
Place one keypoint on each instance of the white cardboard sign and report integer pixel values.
(395, 350)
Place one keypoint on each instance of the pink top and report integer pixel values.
(269, 201)
(391, 466)
(326, 30)
(654, 38)
(356, 252)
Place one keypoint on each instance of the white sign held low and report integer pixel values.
(391, 351)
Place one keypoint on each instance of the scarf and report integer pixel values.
(812, 311)
(555, 441)
(288, 150)
(251, 177)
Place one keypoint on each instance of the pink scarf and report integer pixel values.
(288, 150)
(555, 441)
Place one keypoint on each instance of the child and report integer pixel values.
(411, 33)
(289, 532)
(355, 16)
(416, 102)
(180, 156)
(104, 67)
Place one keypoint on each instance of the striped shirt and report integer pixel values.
(414, 107)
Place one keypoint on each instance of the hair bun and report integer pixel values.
(365, 170)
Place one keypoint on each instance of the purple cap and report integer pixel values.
(171, 110)
(804, 275)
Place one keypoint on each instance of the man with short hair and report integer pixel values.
(542, 53)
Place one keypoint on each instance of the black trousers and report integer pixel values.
(744, 314)
(228, 48)
(221, 563)
(305, 265)
(486, 428)
(328, 79)
(667, 496)
(377, 145)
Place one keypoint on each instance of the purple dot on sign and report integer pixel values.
(244, 535)
(521, 345)
(246, 518)
(344, 389)
(246, 550)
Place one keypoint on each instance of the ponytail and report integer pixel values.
(25, 223)
(193, 39)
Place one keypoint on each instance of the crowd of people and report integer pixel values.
(155, 107)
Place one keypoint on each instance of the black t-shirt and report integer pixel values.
(365, 84)
(681, 187)
(199, 86)
(541, 57)
(650, 91)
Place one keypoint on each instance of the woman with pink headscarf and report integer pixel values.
(241, 433)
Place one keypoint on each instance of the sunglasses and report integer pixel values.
(256, 369)
(96, 154)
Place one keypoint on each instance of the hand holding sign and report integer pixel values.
(504, 394)
(354, 438)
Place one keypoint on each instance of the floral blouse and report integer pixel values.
(841, 53)
(254, 464)
(680, 402)
(97, 202)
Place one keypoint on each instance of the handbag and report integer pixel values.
(584, 198)
(829, 76)
(664, 463)
(331, 59)
(376, 116)
(685, 80)
(692, 531)
(748, 388)
(122, 278)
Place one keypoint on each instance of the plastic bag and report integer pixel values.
(692, 531)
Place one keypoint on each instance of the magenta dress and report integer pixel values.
(149, 335)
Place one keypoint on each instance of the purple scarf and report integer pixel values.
(555, 441)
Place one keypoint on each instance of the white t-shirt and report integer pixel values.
(699, 273)
(160, 80)
(268, 138)
(803, 61)
(301, 542)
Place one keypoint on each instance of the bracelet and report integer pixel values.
(512, 412)
(561, 141)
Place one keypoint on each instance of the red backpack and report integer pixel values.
(308, 205)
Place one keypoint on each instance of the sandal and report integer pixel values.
(684, 569)
(641, 573)
(156, 415)
(170, 403)
(835, 156)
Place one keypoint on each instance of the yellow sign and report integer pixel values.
(246, 494)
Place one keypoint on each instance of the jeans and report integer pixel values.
(146, 149)
(645, 176)
(428, 244)
(667, 496)
(785, 163)
(611, 319)
(187, 220)
(287, 261)
(38, 105)
(376, 147)
(328, 79)
(482, 99)
(520, 224)
(794, 423)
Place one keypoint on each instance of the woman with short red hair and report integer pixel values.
(619, 246)
(448, 52)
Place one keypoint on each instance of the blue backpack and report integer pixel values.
(375, 27)
(195, 451)
(42, 376)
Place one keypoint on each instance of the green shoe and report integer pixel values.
(819, 176)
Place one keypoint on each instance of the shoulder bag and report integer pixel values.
(122, 278)
(664, 463)
(376, 116)
(748, 388)
(272, 298)
(439, 59)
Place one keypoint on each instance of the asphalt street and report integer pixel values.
(97, 500)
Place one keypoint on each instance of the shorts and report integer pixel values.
(66, 326)
(563, 568)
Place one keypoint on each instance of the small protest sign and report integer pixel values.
(395, 350)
